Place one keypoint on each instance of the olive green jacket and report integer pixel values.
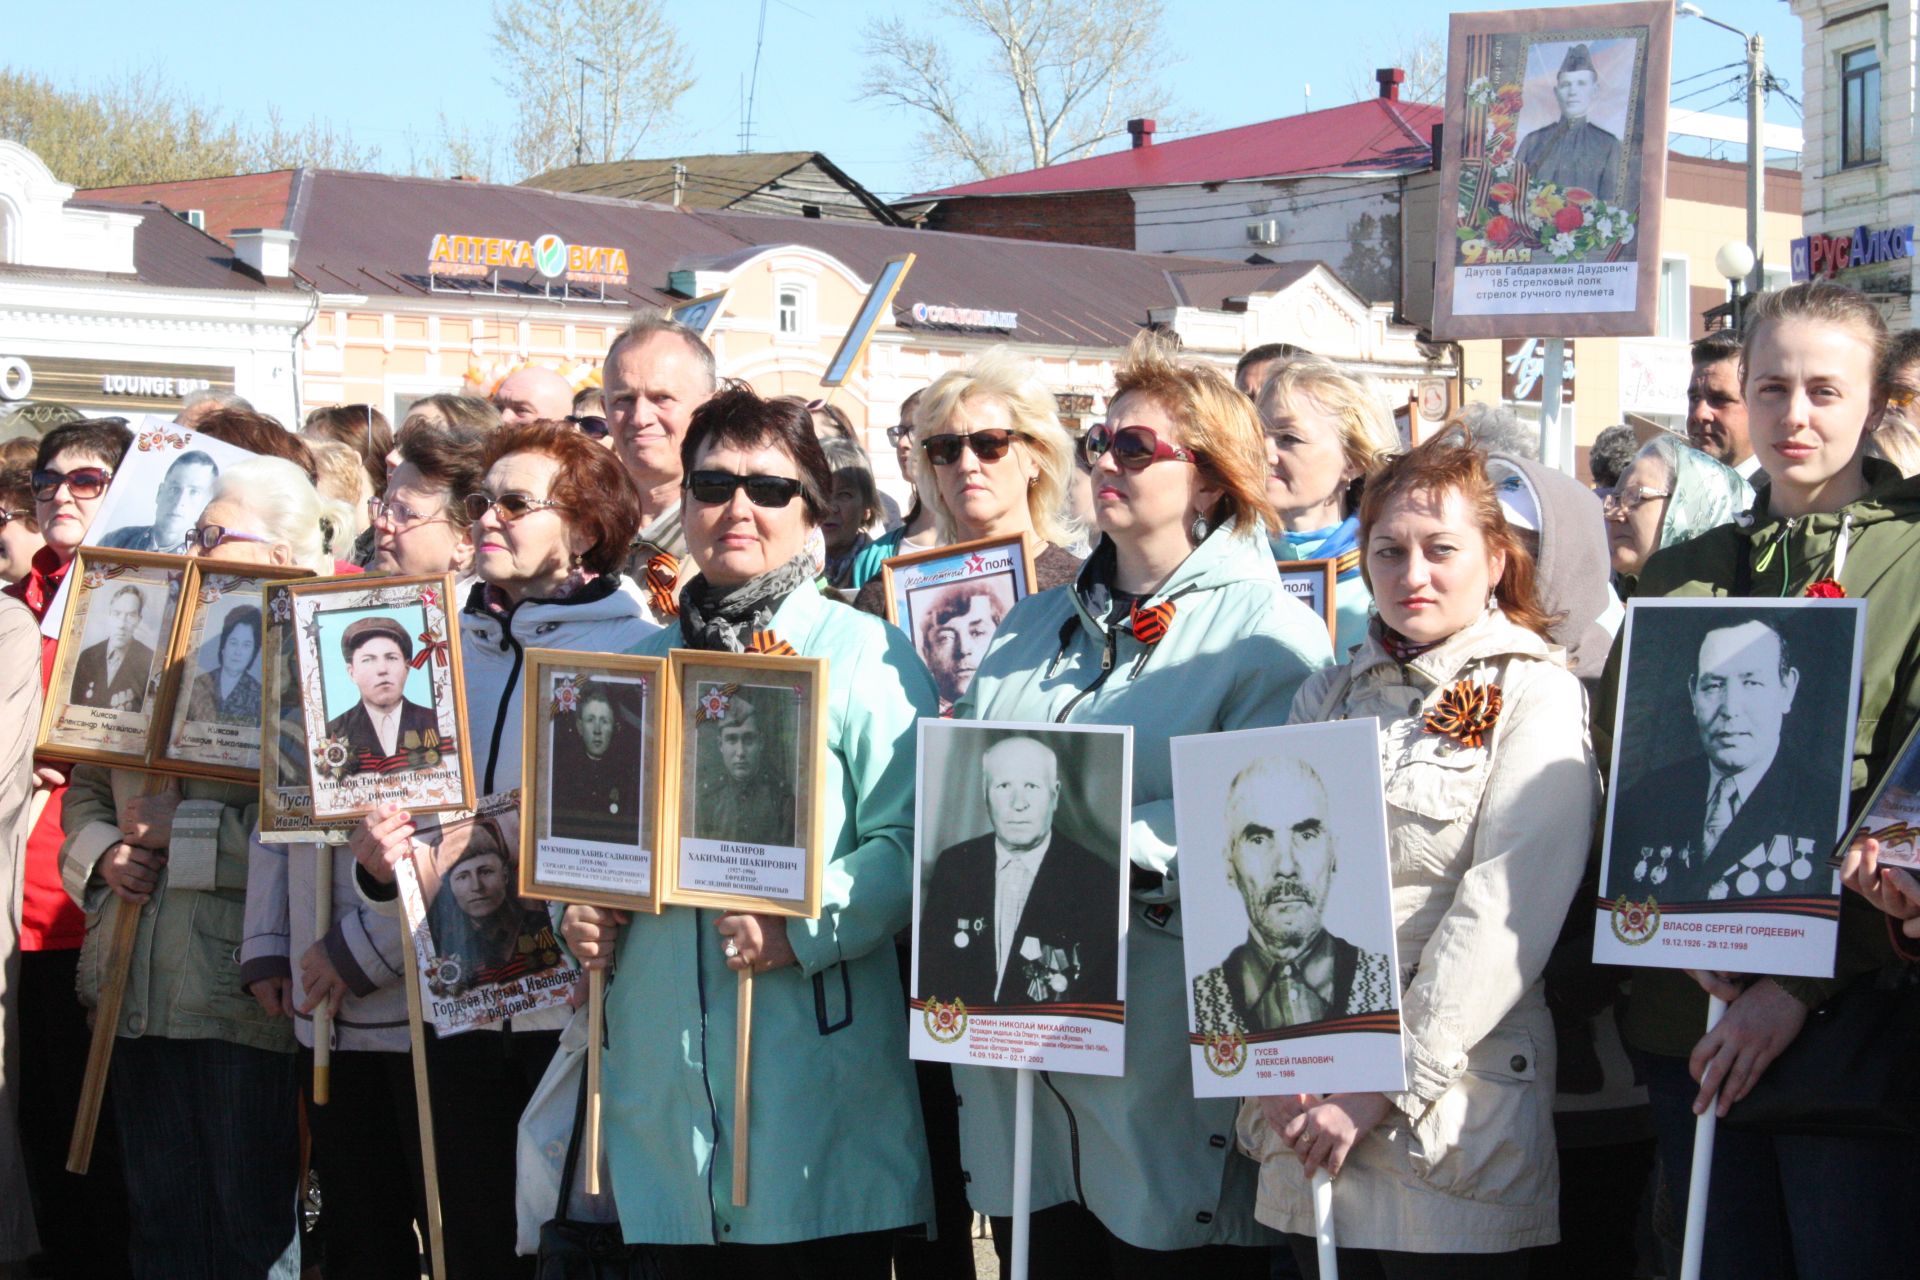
(1668, 1010)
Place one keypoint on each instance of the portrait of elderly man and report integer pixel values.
(956, 629)
(183, 495)
(595, 773)
(1573, 151)
(385, 731)
(1022, 914)
(113, 672)
(1737, 819)
(1282, 855)
(748, 798)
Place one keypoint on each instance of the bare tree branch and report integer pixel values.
(1422, 55)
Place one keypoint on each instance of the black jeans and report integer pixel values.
(1601, 1190)
(366, 1151)
(1067, 1242)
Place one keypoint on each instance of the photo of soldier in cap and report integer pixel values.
(1575, 152)
(385, 731)
(743, 788)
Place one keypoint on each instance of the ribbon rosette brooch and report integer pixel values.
(1467, 713)
(1826, 589)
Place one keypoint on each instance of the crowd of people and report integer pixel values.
(1547, 1124)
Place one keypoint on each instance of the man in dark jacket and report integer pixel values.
(385, 732)
(1022, 915)
(113, 673)
(747, 799)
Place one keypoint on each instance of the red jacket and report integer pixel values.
(49, 920)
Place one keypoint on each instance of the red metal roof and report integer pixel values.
(1373, 136)
(244, 200)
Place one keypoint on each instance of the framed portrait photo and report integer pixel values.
(212, 701)
(485, 951)
(749, 758)
(1732, 766)
(1284, 872)
(104, 699)
(286, 786)
(1892, 816)
(1046, 986)
(1313, 583)
(380, 695)
(592, 782)
(950, 600)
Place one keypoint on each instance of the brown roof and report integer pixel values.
(712, 182)
(244, 200)
(167, 254)
(1211, 286)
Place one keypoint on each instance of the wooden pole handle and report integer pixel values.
(322, 1012)
(423, 1108)
(742, 1075)
(596, 1033)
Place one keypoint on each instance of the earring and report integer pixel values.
(1198, 529)
(574, 564)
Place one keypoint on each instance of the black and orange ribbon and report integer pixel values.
(1466, 713)
(663, 574)
(768, 643)
(429, 648)
(1149, 625)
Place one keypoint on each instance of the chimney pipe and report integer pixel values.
(266, 251)
(1142, 132)
(1390, 79)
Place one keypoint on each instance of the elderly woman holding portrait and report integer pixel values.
(1177, 625)
(204, 1092)
(230, 693)
(828, 1000)
(550, 523)
(994, 462)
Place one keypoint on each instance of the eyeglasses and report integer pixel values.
(591, 425)
(397, 516)
(990, 445)
(896, 434)
(209, 537)
(8, 517)
(717, 487)
(82, 482)
(1625, 502)
(509, 506)
(1134, 448)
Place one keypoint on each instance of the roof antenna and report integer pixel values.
(1306, 92)
(753, 83)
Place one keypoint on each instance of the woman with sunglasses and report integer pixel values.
(83, 1221)
(20, 539)
(1176, 625)
(994, 463)
(550, 524)
(834, 1111)
(205, 1094)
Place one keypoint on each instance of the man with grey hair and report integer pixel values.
(1291, 970)
(1494, 428)
(197, 406)
(1021, 915)
(656, 374)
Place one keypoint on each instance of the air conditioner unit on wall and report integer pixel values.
(1266, 231)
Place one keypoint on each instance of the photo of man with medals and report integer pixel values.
(596, 767)
(385, 732)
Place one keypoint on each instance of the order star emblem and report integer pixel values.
(975, 563)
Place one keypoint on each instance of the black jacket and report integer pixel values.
(411, 745)
(90, 686)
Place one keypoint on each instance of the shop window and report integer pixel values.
(1676, 304)
(1859, 108)
(789, 312)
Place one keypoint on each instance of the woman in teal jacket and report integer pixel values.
(1177, 625)
(839, 1159)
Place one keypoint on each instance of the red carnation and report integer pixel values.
(1501, 230)
(1826, 589)
(1569, 219)
(1579, 195)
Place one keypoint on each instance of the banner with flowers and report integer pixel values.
(1553, 170)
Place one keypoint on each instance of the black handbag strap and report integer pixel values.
(573, 1150)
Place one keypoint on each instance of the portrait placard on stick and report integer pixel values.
(950, 600)
(1313, 583)
(1553, 172)
(1732, 763)
(104, 699)
(592, 778)
(749, 755)
(1292, 976)
(1043, 986)
(213, 696)
(485, 953)
(381, 694)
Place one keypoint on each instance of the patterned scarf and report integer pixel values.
(725, 621)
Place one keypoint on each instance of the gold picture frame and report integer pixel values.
(584, 846)
(926, 591)
(734, 842)
(1314, 583)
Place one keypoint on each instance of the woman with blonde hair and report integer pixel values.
(1176, 625)
(994, 462)
(1325, 432)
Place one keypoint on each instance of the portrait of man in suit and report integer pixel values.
(1282, 857)
(183, 496)
(1022, 914)
(384, 731)
(1573, 151)
(113, 672)
(1732, 821)
(746, 799)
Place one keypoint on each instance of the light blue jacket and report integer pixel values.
(1155, 1165)
(836, 1138)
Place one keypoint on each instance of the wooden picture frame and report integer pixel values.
(599, 844)
(286, 788)
(1314, 583)
(349, 766)
(998, 571)
(730, 846)
(91, 716)
(221, 747)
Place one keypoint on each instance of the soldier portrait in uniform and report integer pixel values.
(743, 789)
(385, 731)
(1575, 151)
(597, 763)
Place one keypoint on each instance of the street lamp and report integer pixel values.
(1735, 262)
(1756, 142)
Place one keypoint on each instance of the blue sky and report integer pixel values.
(386, 71)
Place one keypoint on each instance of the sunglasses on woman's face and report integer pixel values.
(1133, 448)
(511, 506)
(82, 482)
(716, 488)
(990, 445)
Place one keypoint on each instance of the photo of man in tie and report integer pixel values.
(114, 671)
(1739, 819)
